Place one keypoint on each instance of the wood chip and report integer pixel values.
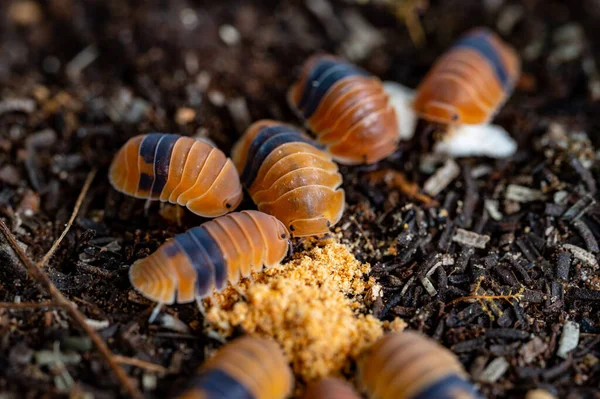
(522, 194)
(569, 339)
(442, 178)
(470, 239)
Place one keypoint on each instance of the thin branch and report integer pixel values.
(28, 305)
(131, 361)
(82, 194)
(44, 281)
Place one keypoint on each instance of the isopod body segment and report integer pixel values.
(177, 169)
(408, 365)
(289, 177)
(347, 109)
(470, 82)
(330, 388)
(248, 368)
(203, 259)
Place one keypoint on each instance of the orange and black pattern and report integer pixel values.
(409, 365)
(289, 177)
(470, 82)
(203, 259)
(246, 368)
(177, 169)
(347, 109)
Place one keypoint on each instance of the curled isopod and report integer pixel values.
(289, 177)
(347, 109)
(177, 169)
(203, 259)
(409, 365)
(330, 388)
(470, 82)
(246, 368)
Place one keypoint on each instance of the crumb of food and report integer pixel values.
(312, 305)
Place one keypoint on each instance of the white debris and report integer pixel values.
(97, 324)
(81, 61)
(325, 13)
(447, 260)
(229, 35)
(581, 254)
(522, 194)
(442, 178)
(238, 109)
(363, 37)
(509, 17)
(532, 349)
(376, 292)
(401, 98)
(492, 207)
(429, 287)
(569, 339)
(561, 197)
(169, 322)
(470, 238)
(570, 43)
(495, 370)
(189, 18)
(480, 171)
(477, 140)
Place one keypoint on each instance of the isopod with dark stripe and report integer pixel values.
(347, 109)
(470, 82)
(246, 368)
(408, 365)
(194, 264)
(177, 169)
(289, 177)
(330, 388)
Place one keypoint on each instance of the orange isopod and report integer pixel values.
(248, 368)
(289, 177)
(194, 264)
(470, 82)
(177, 169)
(347, 109)
(330, 388)
(408, 365)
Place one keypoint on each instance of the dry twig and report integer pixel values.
(131, 361)
(82, 194)
(28, 305)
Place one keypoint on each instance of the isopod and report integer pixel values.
(289, 177)
(248, 368)
(330, 388)
(196, 263)
(405, 365)
(347, 109)
(177, 169)
(470, 82)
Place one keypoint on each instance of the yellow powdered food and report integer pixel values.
(313, 306)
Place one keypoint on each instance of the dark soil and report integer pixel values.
(62, 115)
